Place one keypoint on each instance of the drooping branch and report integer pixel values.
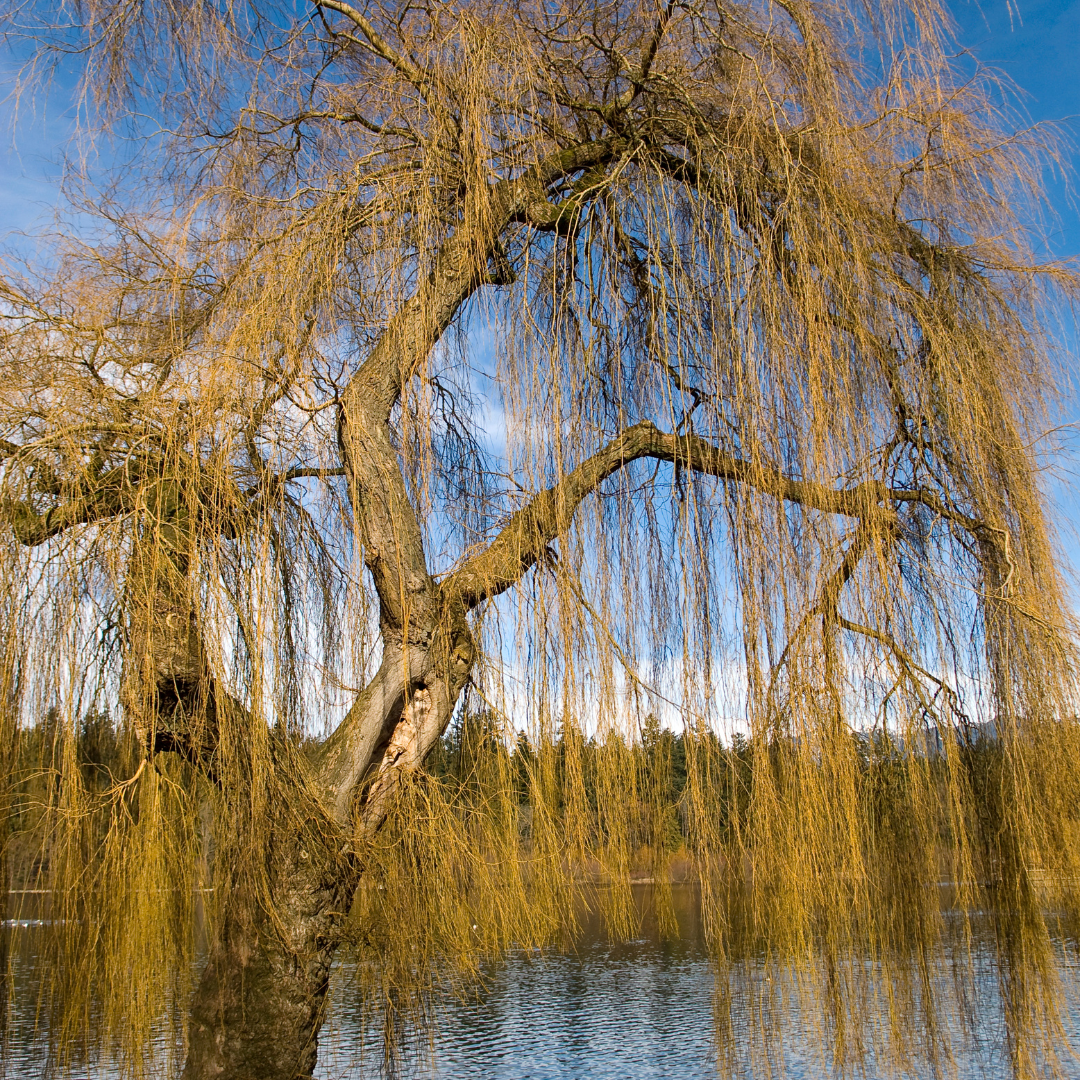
(908, 663)
(522, 540)
(828, 599)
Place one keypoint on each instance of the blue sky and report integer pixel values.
(1036, 43)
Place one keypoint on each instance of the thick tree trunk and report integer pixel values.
(257, 1013)
(260, 1003)
(259, 1006)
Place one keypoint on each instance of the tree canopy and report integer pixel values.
(566, 364)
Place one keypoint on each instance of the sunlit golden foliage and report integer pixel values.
(555, 369)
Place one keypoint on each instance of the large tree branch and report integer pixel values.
(460, 269)
(112, 495)
(390, 532)
(521, 542)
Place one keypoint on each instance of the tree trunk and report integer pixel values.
(259, 1005)
(261, 1001)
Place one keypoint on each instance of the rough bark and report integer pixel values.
(258, 1009)
(259, 1005)
(167, 689)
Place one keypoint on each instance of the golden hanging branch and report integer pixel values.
(727, 314)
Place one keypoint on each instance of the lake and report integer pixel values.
(604, 1011)
(645, 1008)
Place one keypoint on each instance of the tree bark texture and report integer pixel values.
(260, 1002)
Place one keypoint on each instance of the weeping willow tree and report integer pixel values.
(570, 362)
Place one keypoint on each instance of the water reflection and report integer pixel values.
(599, 1012)
(646, 1008)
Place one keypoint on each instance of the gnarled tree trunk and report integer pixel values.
(260, 1002)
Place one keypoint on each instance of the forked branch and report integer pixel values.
(522, 541)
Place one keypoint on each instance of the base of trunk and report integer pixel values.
(257, 1012)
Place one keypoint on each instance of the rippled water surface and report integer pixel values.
(638, 1010)
(646, 1009)
(643, 1008)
